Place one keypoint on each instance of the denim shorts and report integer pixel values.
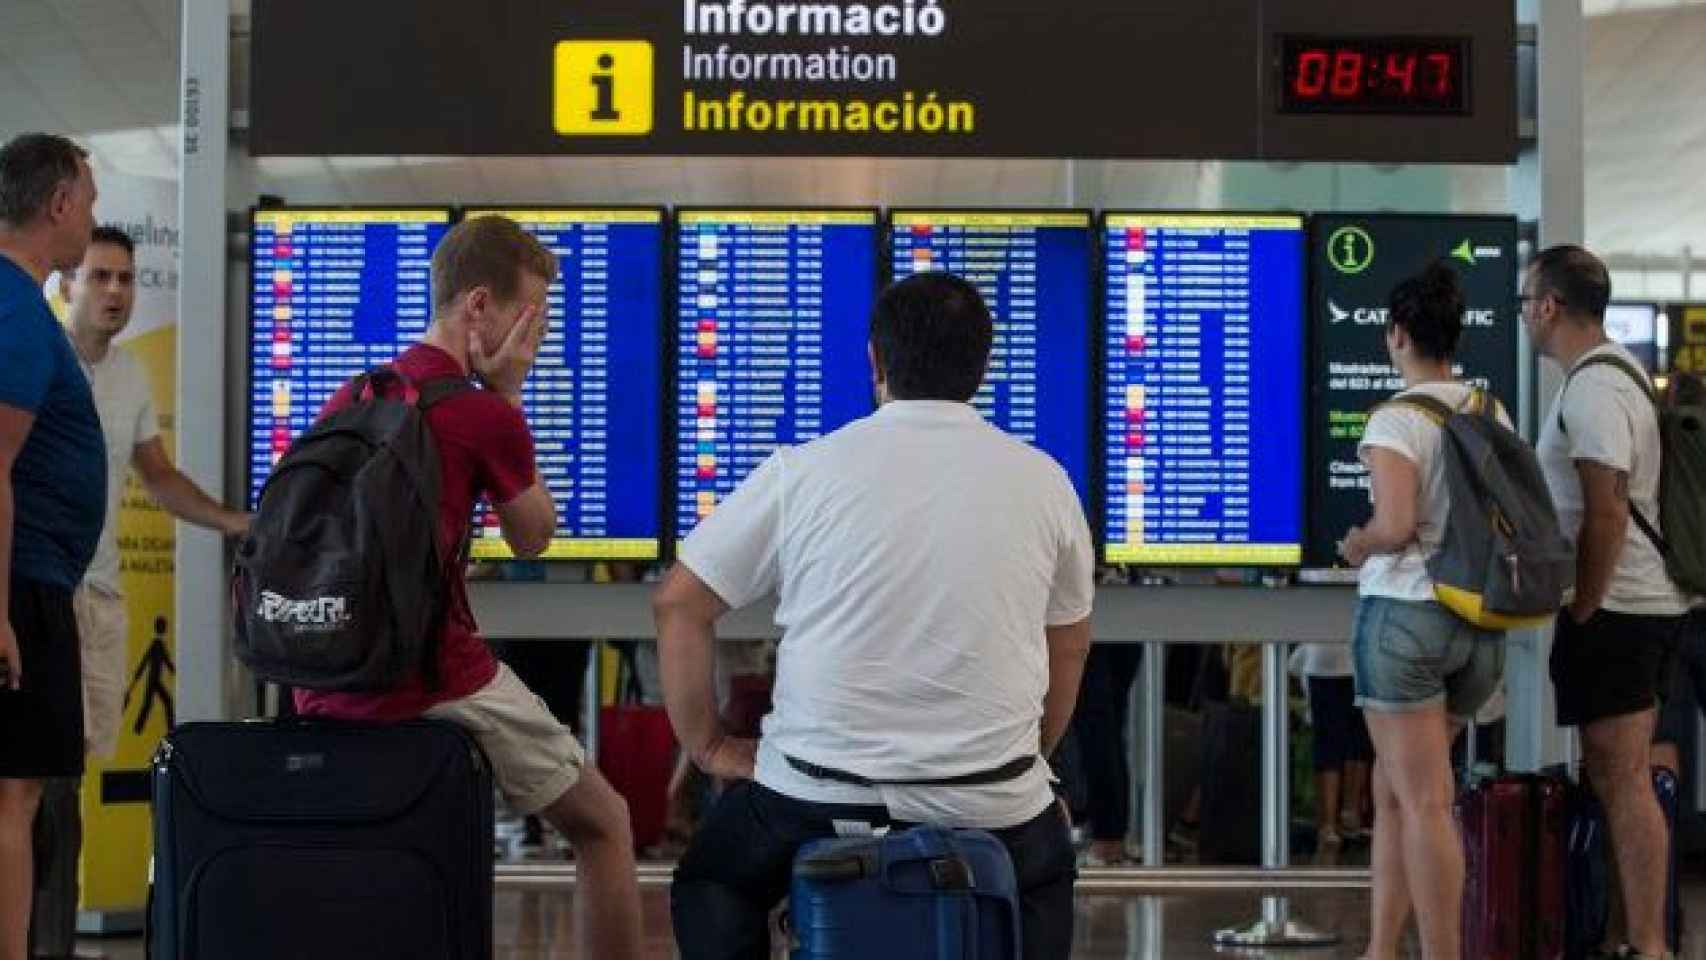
(1412, 655)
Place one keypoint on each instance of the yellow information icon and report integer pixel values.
(603, 88)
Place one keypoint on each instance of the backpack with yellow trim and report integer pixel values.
(1503, 562)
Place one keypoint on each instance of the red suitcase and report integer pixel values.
(1514, 830)
(636, 753)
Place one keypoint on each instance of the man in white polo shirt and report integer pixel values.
(1616, 642)
(935, 584)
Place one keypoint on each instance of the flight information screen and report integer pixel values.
(1035, 271)
(594, 400)
(1203, 394)
(332, 294)
(1636, 326)
(773, 312)
(1355, 261)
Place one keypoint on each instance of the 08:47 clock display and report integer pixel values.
(1393, 75)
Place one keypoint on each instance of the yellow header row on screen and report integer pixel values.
(1010, 218)
(1231, 554)
(591, 549)
(1164, 221)
(286, 218)
(769, 217)
(590, 215)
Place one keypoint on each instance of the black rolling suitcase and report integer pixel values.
(323, 840)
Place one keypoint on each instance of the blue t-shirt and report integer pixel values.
(59, 480)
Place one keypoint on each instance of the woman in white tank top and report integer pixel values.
(1419, 670)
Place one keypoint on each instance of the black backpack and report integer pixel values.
(340, 585)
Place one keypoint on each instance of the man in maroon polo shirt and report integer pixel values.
(489, 283)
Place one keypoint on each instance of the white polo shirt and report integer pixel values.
(918, 554)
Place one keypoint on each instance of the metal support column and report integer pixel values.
(592, 700)
(1154, 747)
(201, 618)
(1276, 928)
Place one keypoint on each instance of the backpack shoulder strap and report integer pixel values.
(1607, 360)
(1433, 408)
(438, 389)
(1611, 360)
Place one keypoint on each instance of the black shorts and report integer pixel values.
(1613, 665)
(1688, 684)
(1341, 734)
(41, 724)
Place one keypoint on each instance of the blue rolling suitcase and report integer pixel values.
(925, 894)
(1588, 869)
(336, 841)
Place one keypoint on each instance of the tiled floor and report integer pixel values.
(537, 926)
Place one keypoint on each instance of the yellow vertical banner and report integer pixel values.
(117, 836)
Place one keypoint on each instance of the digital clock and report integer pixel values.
(1391, 75)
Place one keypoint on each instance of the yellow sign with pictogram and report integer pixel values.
(603, 88)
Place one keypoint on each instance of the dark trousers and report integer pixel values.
(739, 865)
(1104, 700)
(57, 836)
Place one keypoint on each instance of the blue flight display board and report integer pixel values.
(332, 294)
(1203, 390)
(594, 400)
(1035, 271)
(772, 320)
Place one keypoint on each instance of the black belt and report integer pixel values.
(1012, 770)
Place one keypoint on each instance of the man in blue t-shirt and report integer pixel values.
(53, 479)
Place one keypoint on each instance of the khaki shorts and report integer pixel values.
(103, 623)
(535, 759)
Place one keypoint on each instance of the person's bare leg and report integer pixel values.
(594, 818)
(1615, 753)
(18, 802)
(1666, 755)
(1355, 794)
(1327, 804)
(1415, 752)
(1390, 904)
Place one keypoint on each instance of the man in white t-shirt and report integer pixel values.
(935, 584)
(1616, 640)
(102, 293)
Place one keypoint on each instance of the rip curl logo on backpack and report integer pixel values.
(319, 615)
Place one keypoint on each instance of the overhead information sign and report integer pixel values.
(1219, 79)
(1356, 261)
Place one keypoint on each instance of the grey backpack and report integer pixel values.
(1503, 563)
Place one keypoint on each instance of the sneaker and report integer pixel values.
(1099, 858)
(1351, 828)
(1090, 859)
(1183, 835)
